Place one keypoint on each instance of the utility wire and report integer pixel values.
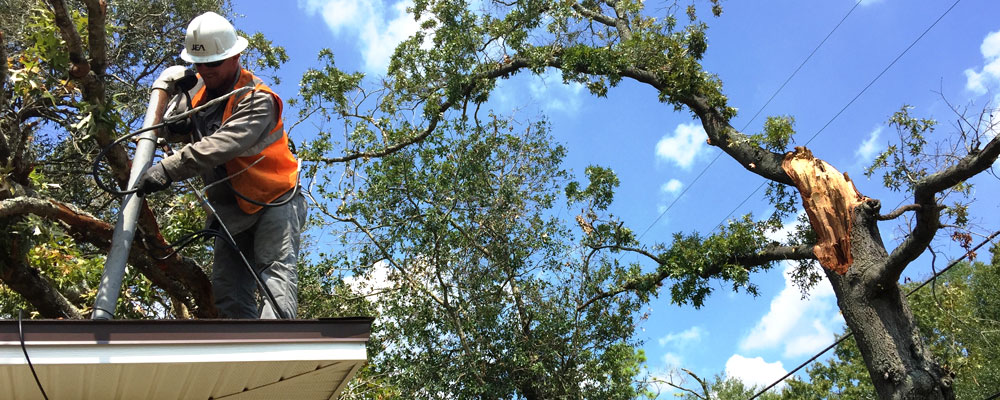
(20, 334)
(745, 199)
(849, 334)
(802, 64)
(745, 126)
(855, 98)
(884, 70)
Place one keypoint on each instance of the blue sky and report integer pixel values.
(657, 152)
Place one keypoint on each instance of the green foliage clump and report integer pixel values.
(470, 278)
(778, 131)
(904, 164)
(691, 260)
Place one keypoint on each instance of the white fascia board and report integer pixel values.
(43, 354)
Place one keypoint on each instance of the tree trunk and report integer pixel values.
(900, 365)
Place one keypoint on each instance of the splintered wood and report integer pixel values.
(829, 198)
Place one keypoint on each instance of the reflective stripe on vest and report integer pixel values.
(273, 175)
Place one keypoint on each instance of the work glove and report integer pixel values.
(181, 126)
(175, 79)
(154, 179)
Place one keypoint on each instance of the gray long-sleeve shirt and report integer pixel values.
(245, 133)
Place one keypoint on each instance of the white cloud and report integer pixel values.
(754, 371)
(811, 343)
(672, 187)
(549, 89)
(671, 360)
(989, 77)
(682, 339)
(377, 28)
(684, 146)
(975, 81)
(991, 46)
(374, 280)
(782, 325)
(866, 151)
(781, 235)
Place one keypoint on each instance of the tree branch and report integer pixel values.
(928, 219)
(27, 281)
(74, 44)
(721, 134)
(899, 211)
(3, 71)
(182, 280)
(96, 38)
(5, 152)
(594, 15)
(34, 288)
(621, 24)
(675, 386)
(503, 70)
(388, 257)
(767, 255)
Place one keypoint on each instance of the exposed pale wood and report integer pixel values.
(829, 198)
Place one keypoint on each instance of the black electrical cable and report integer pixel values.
(226, 236)
(186, 240)
(179, 117)
(228, 239)
(849, 334)
(95, 171)
(229, 184)
(20, 334)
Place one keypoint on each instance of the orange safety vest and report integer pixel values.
(272, 176)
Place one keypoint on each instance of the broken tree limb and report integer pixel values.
(829, 198)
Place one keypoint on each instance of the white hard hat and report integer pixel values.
(210, 37)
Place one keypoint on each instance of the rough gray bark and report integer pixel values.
(899, 364)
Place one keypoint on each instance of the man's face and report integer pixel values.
(219, 76)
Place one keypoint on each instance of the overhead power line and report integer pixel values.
(855, 98)
(849, 334)
(817, 134)
(883, 71)
(745, 126)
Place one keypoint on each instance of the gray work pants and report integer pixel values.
(271, 245)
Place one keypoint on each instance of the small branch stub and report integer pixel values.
(829, 198)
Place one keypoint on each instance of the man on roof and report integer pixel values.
(240, 148)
